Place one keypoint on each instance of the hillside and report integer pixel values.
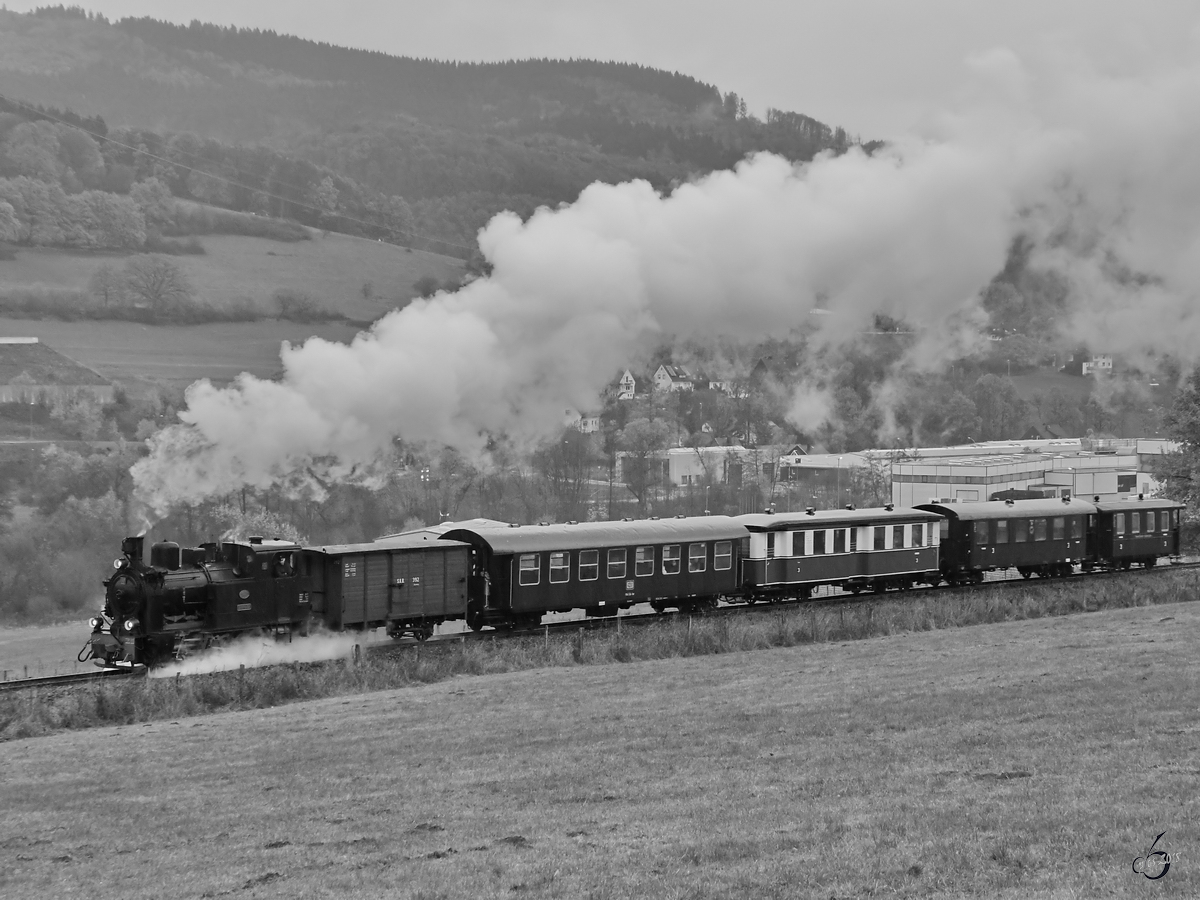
(455, 142)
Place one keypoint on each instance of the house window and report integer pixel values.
(818, 542)
(839, 541)
(616, 563)
(1020, 531)
(643, 561)
(918, 534)
(897, 536)
(589, 565)
(696, 556)
(1059, 526)
(1039, 529)
(560, 567)
(671, 559)
(880, 537)
(723, 555)
(1119, 523)
(530, 571)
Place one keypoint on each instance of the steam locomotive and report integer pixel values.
(506, 576)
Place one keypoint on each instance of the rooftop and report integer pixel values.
(38, 364)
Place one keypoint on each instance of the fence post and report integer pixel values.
(618, 624)
(241, 683)
(357, 654)
(546, 637)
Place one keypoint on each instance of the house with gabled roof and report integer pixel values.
(31, 372)
(673, 378)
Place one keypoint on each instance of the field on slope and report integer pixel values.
(332, 270)
(1017, 760)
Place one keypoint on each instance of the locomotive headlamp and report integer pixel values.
(130, 624)
(95, 622)
(117, 563)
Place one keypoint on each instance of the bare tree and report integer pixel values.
(157, 282)
(107, 285)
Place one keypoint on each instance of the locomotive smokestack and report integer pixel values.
(132, 548)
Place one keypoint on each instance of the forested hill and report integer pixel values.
(455, 141)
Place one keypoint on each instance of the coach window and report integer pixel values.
(1059, 528)
(1119, 523)
(671, 559)
(798, 543)
(918, 534)
(616, 563)
(839, 541)
(1076, 527)
(643, 561)
(696, 557)
(897, 537)
(818, 542)
(1039, 529)
(1174, 518)
(853, 540)
(723, 555)
(1020, 531)
(981, 531)
(880, 537)
(530, 569)
(770, 545)
(589, 565)
(560, 567)
(1135, 523)
(1002, 531)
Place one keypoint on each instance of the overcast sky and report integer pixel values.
(876, 67)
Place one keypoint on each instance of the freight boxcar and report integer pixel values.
(602, 567)
(1128, 532)
(407, 583)
(790, 554)
(1037, 537)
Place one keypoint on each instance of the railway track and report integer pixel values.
(72, 678)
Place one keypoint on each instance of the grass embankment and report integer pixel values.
(1028, 759)
(153, 700)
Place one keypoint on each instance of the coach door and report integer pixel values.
(354, 579)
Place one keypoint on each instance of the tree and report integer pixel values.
(1180, 471)
(157, 282)
(426, 286)
(154, 199)
(643, 442)
(107, 285)
(1001, 409)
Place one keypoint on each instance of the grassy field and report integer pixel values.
(331, 269)
(180, 354)
(1024, 759)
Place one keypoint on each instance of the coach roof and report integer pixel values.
(834, 518)
(1135, 505)
(414, 541)
(586, 535)
(1016, 509)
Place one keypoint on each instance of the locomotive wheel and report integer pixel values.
(423, 633)
(1151, 563)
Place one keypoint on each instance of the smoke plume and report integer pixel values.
(1096, 171)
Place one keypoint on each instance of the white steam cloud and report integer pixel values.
(255, 651)
(1098, 172)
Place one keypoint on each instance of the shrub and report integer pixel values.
(212, 220)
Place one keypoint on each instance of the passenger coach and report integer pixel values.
(601, 567)
(1038, 537)
(1138, 531)
(792, 553)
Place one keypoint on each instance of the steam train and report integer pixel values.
(509, 576)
